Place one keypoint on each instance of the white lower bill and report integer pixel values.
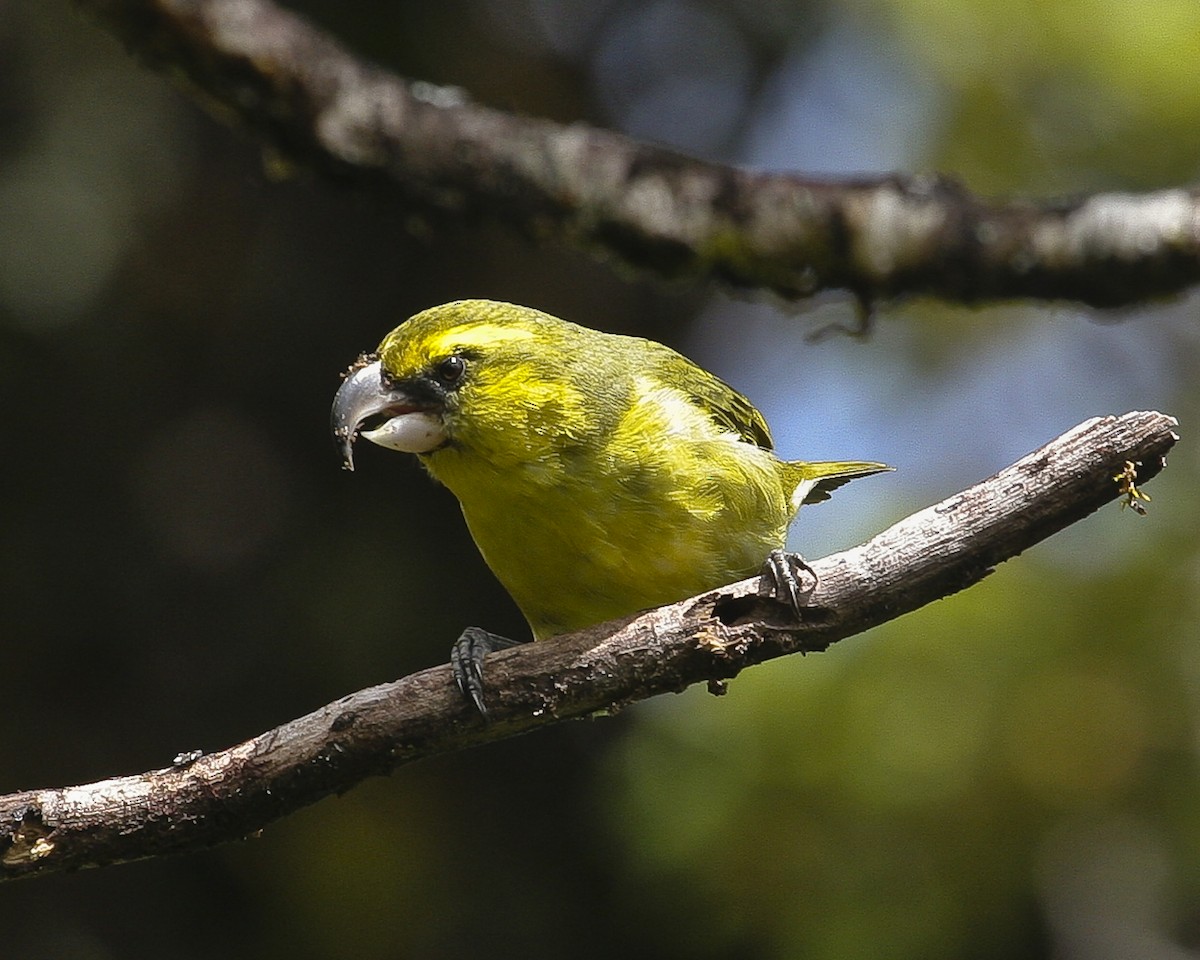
(416, 432)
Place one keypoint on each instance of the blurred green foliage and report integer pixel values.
(889, 800)
(1009, 773)
(1035, 93)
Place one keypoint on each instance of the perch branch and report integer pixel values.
(435, 153)
(222, 796)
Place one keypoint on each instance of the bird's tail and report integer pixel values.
(815, 479)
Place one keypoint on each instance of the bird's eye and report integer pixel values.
(451, 370)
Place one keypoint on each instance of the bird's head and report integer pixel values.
(474, 375)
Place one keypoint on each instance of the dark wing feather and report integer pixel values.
(724, 405)
(845, 472)
(825, 487)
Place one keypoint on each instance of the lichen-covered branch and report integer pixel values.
(433, 151)
(200, 801)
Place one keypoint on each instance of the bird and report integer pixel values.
(599, 474)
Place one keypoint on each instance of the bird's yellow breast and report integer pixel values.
(618, 514)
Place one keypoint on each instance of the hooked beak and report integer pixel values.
(407, 423)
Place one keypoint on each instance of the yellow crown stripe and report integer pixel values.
(477, 335)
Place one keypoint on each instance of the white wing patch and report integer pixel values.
(675, 412)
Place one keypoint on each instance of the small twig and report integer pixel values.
(204, 800)
(310, 100)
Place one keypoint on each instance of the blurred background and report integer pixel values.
(1010, 773)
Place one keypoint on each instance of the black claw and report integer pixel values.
(782, 577)
(466, 661)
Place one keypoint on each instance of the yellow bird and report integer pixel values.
(598, 474)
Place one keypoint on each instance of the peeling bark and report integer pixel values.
(436, 154)
(203, 800)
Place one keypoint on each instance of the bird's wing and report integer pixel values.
(721, 402)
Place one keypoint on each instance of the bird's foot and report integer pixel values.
(466, 660)
(788, 578)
